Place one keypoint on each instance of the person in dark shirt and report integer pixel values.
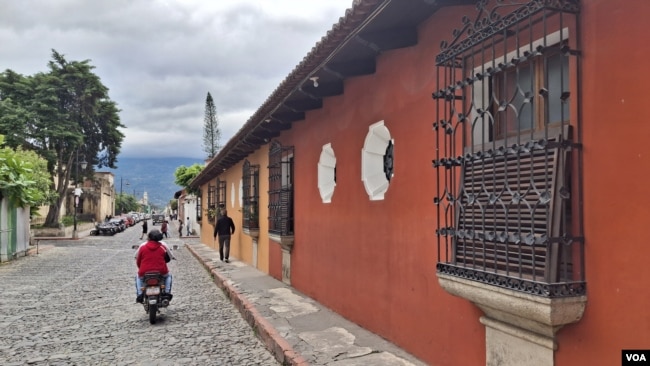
(145, 228)
(224, 228)
(163, 228)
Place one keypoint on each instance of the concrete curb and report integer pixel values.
(35, 247)
(278, 346)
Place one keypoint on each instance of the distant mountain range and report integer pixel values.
(152, 175)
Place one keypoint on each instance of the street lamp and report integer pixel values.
(77, 190)
(122, 197)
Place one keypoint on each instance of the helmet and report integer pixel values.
(155, 235)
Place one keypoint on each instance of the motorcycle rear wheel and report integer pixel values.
(153, 309)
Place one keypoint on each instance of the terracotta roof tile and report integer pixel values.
(347, 24)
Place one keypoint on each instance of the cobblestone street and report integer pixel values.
(74, 304)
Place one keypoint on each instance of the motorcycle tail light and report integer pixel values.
(152, 281)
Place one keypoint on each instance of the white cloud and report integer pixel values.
(160, 58)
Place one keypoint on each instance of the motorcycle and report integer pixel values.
(154, 296)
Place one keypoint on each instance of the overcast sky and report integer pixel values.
(160, 58)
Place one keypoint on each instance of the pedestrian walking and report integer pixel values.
(145, 228)
(180, 228)
(188, 225)
(224, 228)
(163, 228)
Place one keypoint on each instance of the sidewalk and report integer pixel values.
(297, 329)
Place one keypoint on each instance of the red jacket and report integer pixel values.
(152, 257)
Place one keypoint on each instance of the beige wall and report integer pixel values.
(97, 198)
(107, 190)
(241, 246)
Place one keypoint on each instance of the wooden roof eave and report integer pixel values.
(371, 27)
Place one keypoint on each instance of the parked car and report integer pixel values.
(129, 221)
(135, 216)
(104, 228)
(118, 223)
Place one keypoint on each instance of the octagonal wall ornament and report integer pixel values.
(377, 161)
(327, 173)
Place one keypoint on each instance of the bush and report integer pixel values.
(67, 220)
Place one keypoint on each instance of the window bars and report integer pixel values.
(250, 178)
(281, 189)
(508, 151)
(199, 209)
(212, 202)
(221, 196)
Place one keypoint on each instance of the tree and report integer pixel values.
(61, 115)
(126, 202)
(211, 132)
(184, 175)
(24, 179)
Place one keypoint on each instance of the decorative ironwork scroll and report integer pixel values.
(508, 158)
(493, 18)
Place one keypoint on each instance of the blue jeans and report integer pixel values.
(168, 284)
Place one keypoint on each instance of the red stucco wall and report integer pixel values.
(374, 261)
(616, 175)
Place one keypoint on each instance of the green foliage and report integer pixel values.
(173, 204)
(24, 178)
(211, 132)
(126, 203)
(212, 214)
(62, 115)
(185, 175)
(67, 220)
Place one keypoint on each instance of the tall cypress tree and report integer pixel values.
(211, 133)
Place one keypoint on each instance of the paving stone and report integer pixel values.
(73, 304)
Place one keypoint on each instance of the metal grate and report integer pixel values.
(251, 177)
(281, 189)
(221, 195)
(199, 207)
(211, 196)
(508, 155)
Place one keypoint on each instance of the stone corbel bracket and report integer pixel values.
(522, 317)
(286, 242)
(254, 233)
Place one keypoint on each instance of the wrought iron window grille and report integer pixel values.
(250, 177)
(508, 155)
(212, 203)
(199, 207)
(281, 189)
(388, 161)
(221, 197)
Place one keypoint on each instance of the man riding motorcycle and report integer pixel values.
(152, 256)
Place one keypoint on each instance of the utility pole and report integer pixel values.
(122, 197)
